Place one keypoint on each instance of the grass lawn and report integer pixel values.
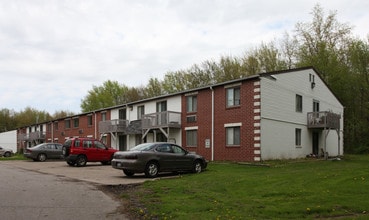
(14, 157)
(291, 189)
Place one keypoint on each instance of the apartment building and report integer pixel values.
(277, 115)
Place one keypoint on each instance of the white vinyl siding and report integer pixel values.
(279, 117)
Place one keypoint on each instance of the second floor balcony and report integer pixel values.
(37, 135)
(22, 137)
(117, 125)
(161, 119)
(324, 119)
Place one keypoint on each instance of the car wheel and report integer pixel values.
(197, 167)
(152, 169)
(7, 154)
(41, 157)
(128, 173)
(70, 163)
(81, 161)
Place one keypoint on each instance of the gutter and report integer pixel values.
(212, 123)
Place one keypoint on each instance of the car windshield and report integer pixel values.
(143, 147)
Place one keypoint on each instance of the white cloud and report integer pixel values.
(53, 51)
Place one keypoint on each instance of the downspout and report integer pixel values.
(52, 132)
(212, 123)
(95, 124)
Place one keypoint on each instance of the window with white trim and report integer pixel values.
(298, 137)
(298, 103)
(191, 138)
(140, 111)
(67, 123)
(191, 103)
(233, 137)
(233, 96)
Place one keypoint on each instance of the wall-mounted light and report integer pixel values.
(312, 85)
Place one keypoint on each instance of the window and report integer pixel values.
(56, 126)
(191, 138)
(103, 116)
(76, 122)
(122, 114)
(315, 106)
(298, 137)
(140, 111)
(298, 103)
(87, 144)
(233, 96)
(233, 136)
(89, 120)
(161, 106)
(67, 123)
(99, 145)
(177, 150)
(191, 103)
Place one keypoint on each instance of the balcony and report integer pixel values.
(37, 135)
(113, 126)
(323, 120)
(22, 137)
(167, 119)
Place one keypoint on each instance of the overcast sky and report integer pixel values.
(52, 52)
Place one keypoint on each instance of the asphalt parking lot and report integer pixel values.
(92, 172)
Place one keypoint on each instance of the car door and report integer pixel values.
(102, 154)
(58, 151)
(166, 157)
(90, 151)
(182, 160)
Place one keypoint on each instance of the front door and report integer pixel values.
(315, 143)
(122, 142)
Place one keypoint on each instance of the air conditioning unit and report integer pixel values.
(191, 118)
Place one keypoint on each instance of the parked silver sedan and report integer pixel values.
(4, 152)
(44, 151)
(152, 158)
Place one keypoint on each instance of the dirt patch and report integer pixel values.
(128, 196)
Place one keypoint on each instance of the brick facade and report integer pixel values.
(246, 115)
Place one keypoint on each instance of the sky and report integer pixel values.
(52, 52)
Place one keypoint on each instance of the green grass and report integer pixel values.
(293, 189)
(14, 157)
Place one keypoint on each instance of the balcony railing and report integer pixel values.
(325, 119)
(117, 125)
(161, 119)
(37, 135)
(22, 137)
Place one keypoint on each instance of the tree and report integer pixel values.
(62, 114)
(265, 58)
(109, 94)
(7, 120)
(30, 116)
(322, 42)
(153, 88)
